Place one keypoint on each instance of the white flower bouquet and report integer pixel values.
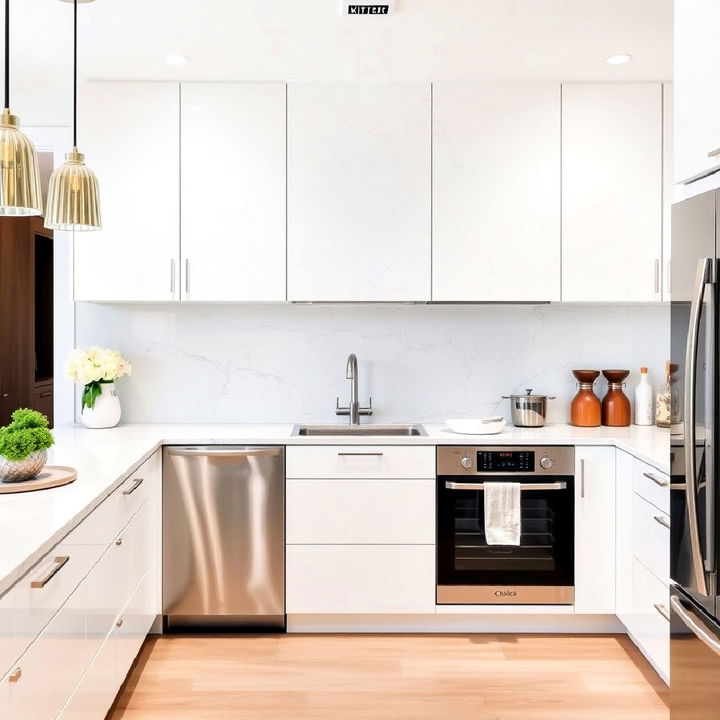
(94, 367)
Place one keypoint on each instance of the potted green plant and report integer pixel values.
(23, 445)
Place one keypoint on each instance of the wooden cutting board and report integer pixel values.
(50, 476)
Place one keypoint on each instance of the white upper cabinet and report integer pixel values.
(496, 192)
(359, 191)
(233, 191)
(697, 88)
(130, 134)
(612, 191)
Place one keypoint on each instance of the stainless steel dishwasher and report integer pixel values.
(223, 533)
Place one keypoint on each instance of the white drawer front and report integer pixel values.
(360, 579)
(651, 538)
(133, 626)
(42, 591)
(360, 461)
(653, 485)
(52, 666)
(650, 629)
(360, 511)
(10, 646)
(97, 689)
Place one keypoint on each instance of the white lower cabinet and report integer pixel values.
(595, 530)
(650, 627)
(360, 579)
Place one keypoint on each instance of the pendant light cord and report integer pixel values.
(74, 73)
(7, 53)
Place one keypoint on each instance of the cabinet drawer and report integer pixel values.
(651, 538)
(115, 577)
(114, 513)
(10, 646)
(360, 579)
(650, 629)
(133, 626)
(52, 666)
(360, 511)
(42, 592)
(652, 485)
(360, 461)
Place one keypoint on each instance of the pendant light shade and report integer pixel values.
(20, 192)
(73, 201)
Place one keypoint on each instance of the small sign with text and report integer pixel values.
(347, 8)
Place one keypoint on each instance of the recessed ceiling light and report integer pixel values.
(175, 59)
(618, 59)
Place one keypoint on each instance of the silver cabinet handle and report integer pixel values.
(523, 486)
(582, 477)
(662, 520)
(662, 610)
(16, 675)
(58, 563)
(137, 482)
(119, 623)
(187, 276)
(360, 454)
(657, 276)
(658, 481)
(172, 276)
(702, 278)
(694, 623)
(714, 153)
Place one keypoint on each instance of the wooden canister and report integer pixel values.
(585, 408)
(615, 404)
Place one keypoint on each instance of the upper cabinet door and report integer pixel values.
(130, 134)
(233, 191)
(612, 191)
(496, 192)
(697, 88)
(359, 191)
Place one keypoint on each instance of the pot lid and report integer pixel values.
(529, 395)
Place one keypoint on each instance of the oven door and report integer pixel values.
(539, 571)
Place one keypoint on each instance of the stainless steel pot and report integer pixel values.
(528, 410)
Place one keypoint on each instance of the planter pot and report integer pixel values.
(106, 411)
(20, 470)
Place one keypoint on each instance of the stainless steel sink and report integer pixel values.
(359, 430)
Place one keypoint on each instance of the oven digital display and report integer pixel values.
(506, 461)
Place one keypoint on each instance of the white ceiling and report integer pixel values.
(308, 39)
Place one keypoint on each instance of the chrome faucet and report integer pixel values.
(353, 410)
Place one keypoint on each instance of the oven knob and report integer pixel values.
(545, 462)
(466, 462)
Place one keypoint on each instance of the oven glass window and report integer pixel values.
(545, 555)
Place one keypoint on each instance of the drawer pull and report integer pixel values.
(118, 542)
(16, 675)
(137, 482)
(658, 481)
(119, 623)
(662, 610)
(58, 563)
(662, 520)
(360, 454)
(714, 153)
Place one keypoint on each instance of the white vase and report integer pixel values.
(106, 411)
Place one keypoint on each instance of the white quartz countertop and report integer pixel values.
(32, 523)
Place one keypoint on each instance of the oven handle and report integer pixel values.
(523, 486)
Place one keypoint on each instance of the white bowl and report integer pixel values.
(475, 426)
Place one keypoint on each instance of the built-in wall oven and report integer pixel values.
(538, 571)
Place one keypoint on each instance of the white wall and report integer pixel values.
(285, 363)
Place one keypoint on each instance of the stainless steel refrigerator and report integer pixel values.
(694, 602)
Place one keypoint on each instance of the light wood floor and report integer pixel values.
(392, 677)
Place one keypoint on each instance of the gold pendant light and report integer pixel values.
(73, 201)
(20, 192)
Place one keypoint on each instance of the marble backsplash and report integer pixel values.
(286, 363)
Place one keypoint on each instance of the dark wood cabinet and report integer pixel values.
(26, 316)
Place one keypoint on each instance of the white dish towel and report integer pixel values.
(502, 513)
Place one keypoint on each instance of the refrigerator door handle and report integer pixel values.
(702, 278)
(693, 622)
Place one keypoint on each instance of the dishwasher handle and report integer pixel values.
(226, 452)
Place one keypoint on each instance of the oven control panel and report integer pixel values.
(507, 460)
